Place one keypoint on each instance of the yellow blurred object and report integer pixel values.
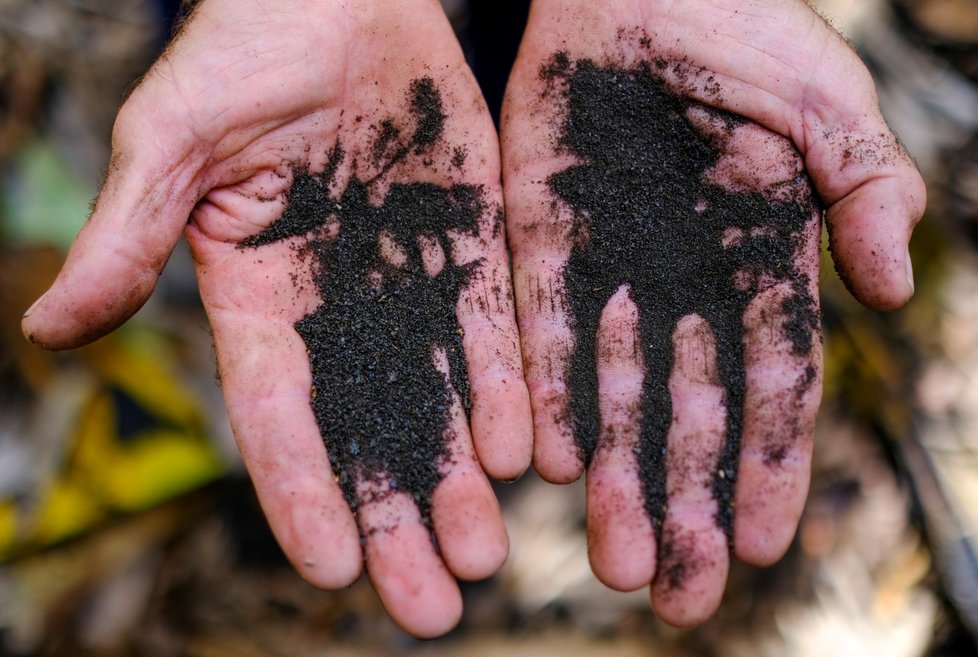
(8, 523)
(136, 438)
(149, 430)
(65, 510)
(96, 432)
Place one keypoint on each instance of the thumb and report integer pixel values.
(113, 265)
(873, 192)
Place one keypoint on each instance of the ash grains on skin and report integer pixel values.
(382, 406)
(556, 67)
(645, 217)
(678, 560)
(459, 155)
(427, 108)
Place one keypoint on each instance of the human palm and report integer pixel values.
(659, 161)
(341, 177)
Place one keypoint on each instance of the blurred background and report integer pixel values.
(127, 526)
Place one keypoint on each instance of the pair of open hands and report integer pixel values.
(253, 93)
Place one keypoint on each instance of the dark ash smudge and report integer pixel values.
(646, 217)
(382, 406)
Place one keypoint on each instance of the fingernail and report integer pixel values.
(34, 305)
(910, 273)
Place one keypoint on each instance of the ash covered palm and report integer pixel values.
(341, 177)
(389, 286)
(658, 163)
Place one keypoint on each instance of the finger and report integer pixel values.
(870, 227)
(465, 513)
(501, 420)
(114, 263)
(782, 370)
(539, 235)
(621, 543)
(411, 579)
(537, 241)
(267, 382)
(872, 189)
(783, 391)
(540, 244)
(693, 559)
(266, 390)
(547, 341)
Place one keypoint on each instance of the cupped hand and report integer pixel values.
(665, 166)
(340, 174)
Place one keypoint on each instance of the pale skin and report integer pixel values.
(249, 91)
(812, 106)
(252, 90)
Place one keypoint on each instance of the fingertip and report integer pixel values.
(442, 617)
(412, 580)
(768, 514)
(877, 273)
(685, 616)
(329, 576)
(869, 234)
(621, 542)
(438, 626)
(761, 542)
(763, 549)
(508, 465)
(693, 565)
(316, 530)
(77, 311)
(624, 574)
(426, 610)
(502, 431)
(29, 325)
(336, 567)
(557, 462)
(469, 525)
(556, 455)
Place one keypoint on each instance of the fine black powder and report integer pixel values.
(382, 406)
(647, 217)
